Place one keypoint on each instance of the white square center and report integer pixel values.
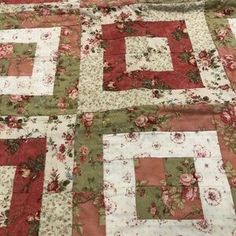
(147, 53)
(119, 194)
(41, 82)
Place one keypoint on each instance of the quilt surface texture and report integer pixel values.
(117, 118)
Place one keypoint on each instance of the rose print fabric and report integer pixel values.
(117, 118)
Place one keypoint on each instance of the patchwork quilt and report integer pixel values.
(117, 118)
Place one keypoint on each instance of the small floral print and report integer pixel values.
(132, 136)
(177, 137)
(204, 226)
(212, 196)
(180, 32)
(201, 152)
(56, 185)
(156, 145)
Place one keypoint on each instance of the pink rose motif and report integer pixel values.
(229, 57)
(12, 122)
(84, 150)
(120, 25)
(229, 61)
(189, 193)
(224, 62)
(219, 14)
(206, 61)
(73, 93)
(60, 156)
(166, 198)
(9, 48)
(45, 12)
(20, 110)
(2, 53)
(25, 172)
(65, 47)
(228, 116)
(141, 121)
(30, 218)
(66, 32)
(232, 65)
(222, 33)
(87, 119)
(151, 119)
(15, 98)
(203, 54)
(233, 181)
(187, 179)
(2, 127)
(76, 169)
(192, 61)
(61, 104)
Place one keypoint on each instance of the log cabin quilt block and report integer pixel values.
(39, 59)
(124, 42)
(36, 175)
(151, 174)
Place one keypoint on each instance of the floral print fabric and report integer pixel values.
(117, 118)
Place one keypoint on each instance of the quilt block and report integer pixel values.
(36, 175)
(150, 178)
(197, 70)
(47, 79)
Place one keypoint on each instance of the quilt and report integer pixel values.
(117, 117)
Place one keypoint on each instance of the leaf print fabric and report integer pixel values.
(117, 118)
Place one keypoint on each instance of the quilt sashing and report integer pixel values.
(36, 175)
(39, 48)
(185, 43)
(221, 23)
(121, 196)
